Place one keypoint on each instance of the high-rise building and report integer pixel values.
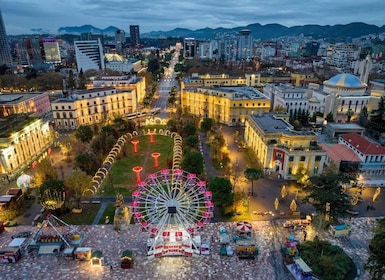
(120, 41)
(89, 55)
(51, 51)
(189, 48)
(245, 45)
(134, 36)
(5, 51)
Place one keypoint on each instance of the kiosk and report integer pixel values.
(10, 254)
(83, 253)
(126, 260)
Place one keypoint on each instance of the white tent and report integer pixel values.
(23, 181)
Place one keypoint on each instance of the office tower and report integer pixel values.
(189, 46)
(134, 36)
(5, 51)
(89, 55)
(120, 41)
(245, 44)
(51, 53)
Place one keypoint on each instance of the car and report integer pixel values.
(22, 234)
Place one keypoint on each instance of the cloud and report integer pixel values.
(164, 15)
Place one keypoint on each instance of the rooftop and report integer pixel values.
(269, 123)
(345, 80)
(339, 152)
(363, 145)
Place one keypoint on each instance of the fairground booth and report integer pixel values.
(126, 260)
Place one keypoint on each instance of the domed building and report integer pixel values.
(343, 95)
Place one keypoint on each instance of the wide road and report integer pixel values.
(165, 84)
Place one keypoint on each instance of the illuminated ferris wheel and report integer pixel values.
(172, 206)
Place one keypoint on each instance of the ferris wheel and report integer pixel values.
(172, 206)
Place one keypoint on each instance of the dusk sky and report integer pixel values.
(27, 16)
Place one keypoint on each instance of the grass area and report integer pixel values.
(85, 218)
(121, 178)
(108, 212)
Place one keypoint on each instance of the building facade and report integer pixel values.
(285, 95)
(120, 41)
(371, 155)
(227, 105)
(282, 150)
(87, 107)
(5, 51)
(189, 48)
(24, 143)
(339, 95)
(245, 45)
(38, 104)
(122, 83)
(89, 55)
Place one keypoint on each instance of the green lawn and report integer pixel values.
(121, 178)
(85, 218)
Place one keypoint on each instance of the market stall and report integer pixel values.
(97, 258)
(126, 260)
(83, 253)
(10, 254)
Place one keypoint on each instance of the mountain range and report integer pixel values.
(344, 32)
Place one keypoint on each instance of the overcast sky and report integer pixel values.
(27, 16)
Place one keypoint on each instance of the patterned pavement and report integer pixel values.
(267, 266)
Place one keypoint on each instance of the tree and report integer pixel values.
(153, 66)
(189, 129)
(193, 162)
(52, 194)
(252, 174)
(222, 191)
(349, 115)
(43, 171)
(207, 124)
(376, 260)
(86, 162)
(84, 133)
(77, 183)
(71, 80)
(192, 141)
(363, 118)
(81, 80)
(327, 190)
(329, 117)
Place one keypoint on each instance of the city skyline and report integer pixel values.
(28, 16)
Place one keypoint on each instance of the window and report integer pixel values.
(302, 158)
(318, 158)
(291, 158)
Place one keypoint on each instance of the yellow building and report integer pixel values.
(122, 83)
(207, 80)
(22, 141)
(282, 150)
(227, 105)
(87, 107)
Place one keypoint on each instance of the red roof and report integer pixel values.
(339, 152)
(363, 145)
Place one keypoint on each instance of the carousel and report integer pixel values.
(172, 206)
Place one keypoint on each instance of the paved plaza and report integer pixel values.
(268, 265)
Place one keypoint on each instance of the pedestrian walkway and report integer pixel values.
(268, 265)
(98, 216)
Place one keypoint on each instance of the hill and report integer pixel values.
(341, 32)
